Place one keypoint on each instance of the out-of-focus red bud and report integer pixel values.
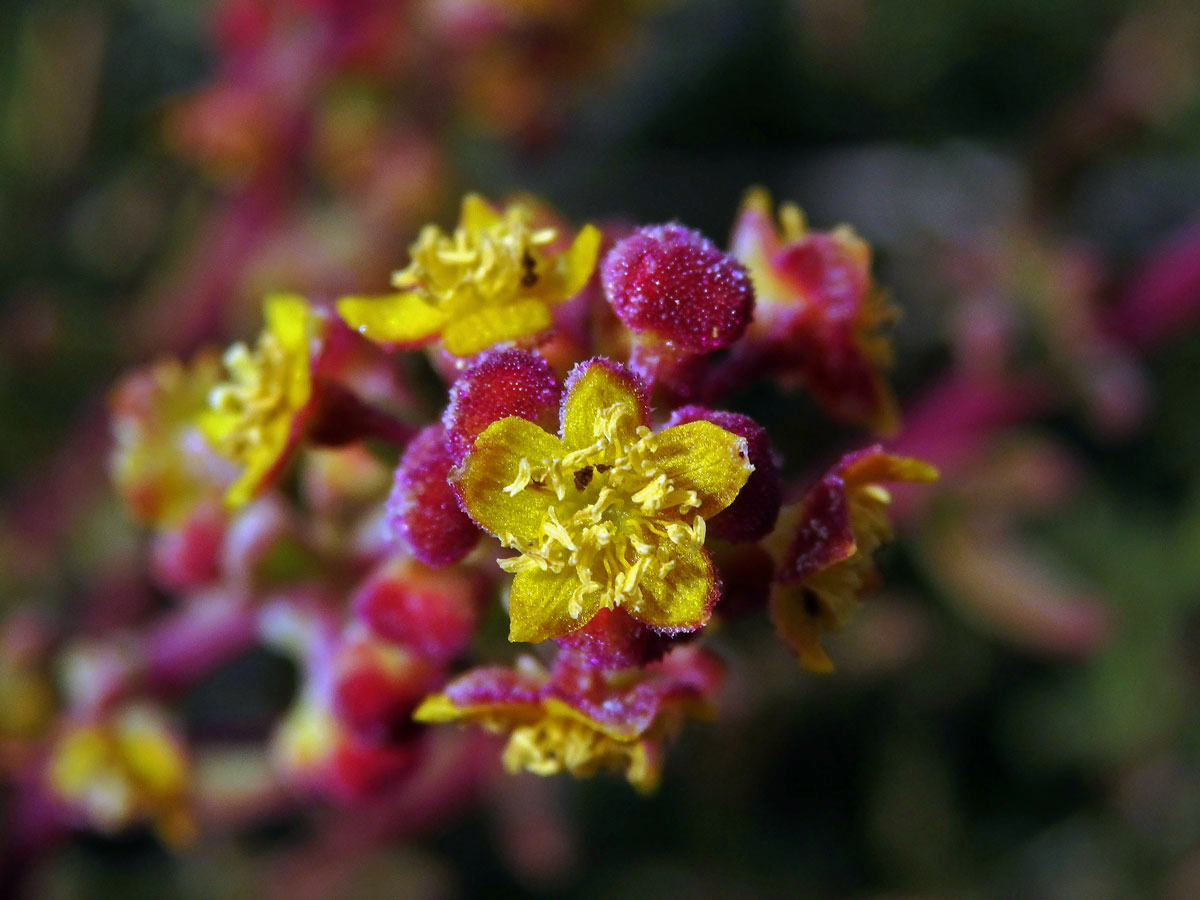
(431, 612)
(358, 768)
(377, 687)
(188, 556)
(1163, 297)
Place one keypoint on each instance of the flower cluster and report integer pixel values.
(577, 466)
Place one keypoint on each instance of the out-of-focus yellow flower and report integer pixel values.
(307, 737)
(161, 465)
(123, 771)
(492, 281)
(607, 515)
(255, 417)
(834, 534)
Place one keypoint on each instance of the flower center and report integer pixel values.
(614, 517)
(555, 743)
(476, 266)
(255, 393)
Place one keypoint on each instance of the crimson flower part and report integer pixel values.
(423, 510)
(671, 282)
(501, 384)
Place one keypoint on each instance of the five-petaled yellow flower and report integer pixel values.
(491, 281)
(160, 470)
(608, 514)
(255, 417)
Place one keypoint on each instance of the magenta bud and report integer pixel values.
(752, 514)
(674, 284)
(422, 510)
(613, 640)
(503, 383)
(377, 686)
(431, 612)
(360, 769)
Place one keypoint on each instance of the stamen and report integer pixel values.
(524, 476)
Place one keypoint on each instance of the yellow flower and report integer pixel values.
(124, 771)
(493, 280)
(830, 564)
(552, 737)
(160, 465)
(607, 515)
(582, 726)
(307, 737)
(254, 417)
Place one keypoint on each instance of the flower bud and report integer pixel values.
(501, 384)
(672, 283)
(423, 510)
(431, 612)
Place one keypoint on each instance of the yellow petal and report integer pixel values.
(491, 325)
(288, 320)
(680, 599)
(624, 731)
(402, 318)
(884, 467)
(264, 459)
(438, 708)
(493, 465)
(575, 266)
(496, 717)
(754, 237)
(477, 214)
(539, 605)
(885, 419)
(756, 240)
(799, 629)
(592, 393)
(706, 458)
(291, 321)
(152, 757)
(216, 425)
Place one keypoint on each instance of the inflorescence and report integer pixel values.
(585, 473)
